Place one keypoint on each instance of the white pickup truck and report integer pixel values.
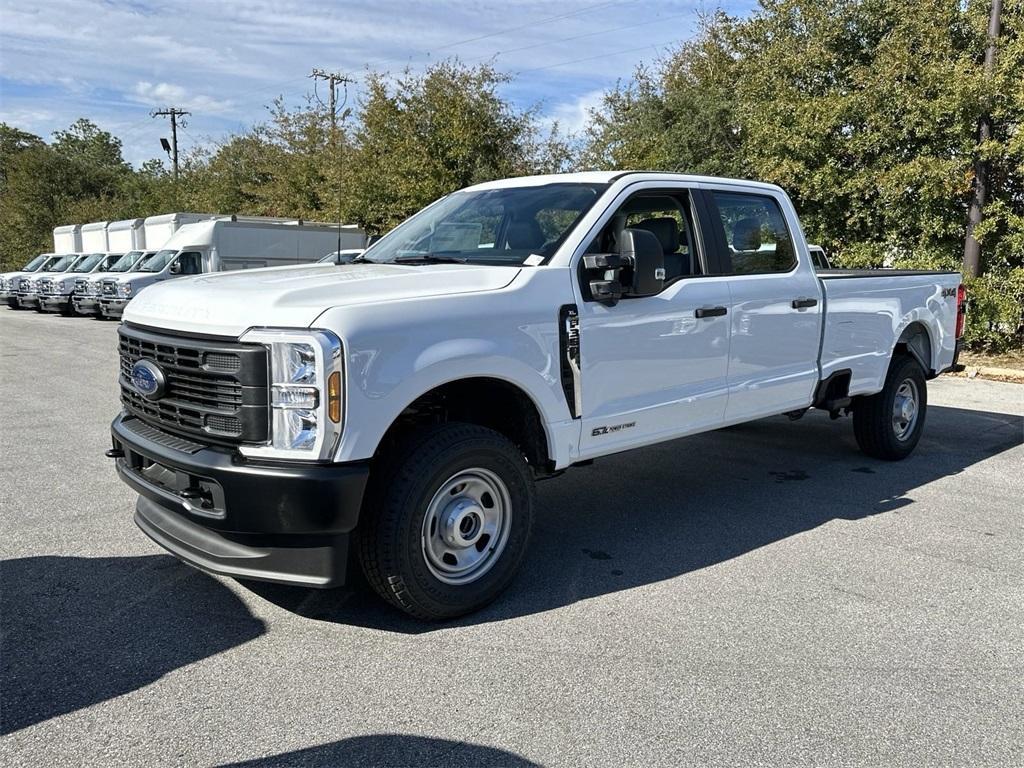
(401, 407)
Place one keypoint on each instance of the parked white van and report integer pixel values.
(229, 243)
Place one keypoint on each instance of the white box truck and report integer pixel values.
(131, 238)
(228, 243)
(127, 235)
(67, 239)
(56, 294)
(94, 237)
(158, 229)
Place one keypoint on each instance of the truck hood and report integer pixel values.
(122, 277)
(229, 303)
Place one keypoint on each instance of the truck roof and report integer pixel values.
(117, 226)
(607, 177)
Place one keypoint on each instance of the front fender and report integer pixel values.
(398, 351)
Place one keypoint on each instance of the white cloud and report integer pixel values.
(572, 116)
(167, 94)
(224, 62)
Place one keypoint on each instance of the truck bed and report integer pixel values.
(867, 311)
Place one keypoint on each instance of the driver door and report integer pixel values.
(655, 367)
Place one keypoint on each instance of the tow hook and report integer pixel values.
(197, 494)
(114, 453)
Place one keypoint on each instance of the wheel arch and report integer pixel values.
(915, 340)
(485, 400)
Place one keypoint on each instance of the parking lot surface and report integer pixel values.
(761, 595)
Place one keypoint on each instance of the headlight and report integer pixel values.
(124, 289)
(305, 393)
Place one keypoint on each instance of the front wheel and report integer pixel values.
(888, 425)
(447, 520)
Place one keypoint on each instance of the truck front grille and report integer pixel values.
(81, 286)
(109, 288)
(214, 388)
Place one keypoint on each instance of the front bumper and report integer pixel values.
(213, 509)
(113, 307)
(54, 303)
(85, 305)
(28, 300)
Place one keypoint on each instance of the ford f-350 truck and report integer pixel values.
(402, 406)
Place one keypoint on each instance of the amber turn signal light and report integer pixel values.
(334, 397)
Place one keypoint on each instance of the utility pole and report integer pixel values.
(334, 79)
(175, 114)
(972, 248)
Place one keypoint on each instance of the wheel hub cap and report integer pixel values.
(463, 523)
(466, 526)
(904, 409)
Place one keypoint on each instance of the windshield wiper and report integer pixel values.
(430, 258)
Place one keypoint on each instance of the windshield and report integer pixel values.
(157, 261)
(33, 265)
(86, 264)
(62, 263)
(125, 262)
(494, 226)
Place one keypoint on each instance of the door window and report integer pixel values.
(191, 263)
(757, 240)
(668, 216)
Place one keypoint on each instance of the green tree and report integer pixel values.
(679, 115)
(421, 136)
(866, 112)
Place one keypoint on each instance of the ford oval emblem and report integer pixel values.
(148, 380)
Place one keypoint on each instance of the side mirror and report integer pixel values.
(644, 263)
(175, 268)
(637, 270)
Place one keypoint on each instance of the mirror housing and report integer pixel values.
(644, 263)
(175, 268)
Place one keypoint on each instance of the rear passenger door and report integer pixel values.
(775, 309)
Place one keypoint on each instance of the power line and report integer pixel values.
(534, 23)
(605, 31)
(505, 31)
(604, 55)
(333, 79)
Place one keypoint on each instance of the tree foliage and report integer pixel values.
(866, 112)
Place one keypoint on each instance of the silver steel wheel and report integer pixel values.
(466, 526)
(905, 409)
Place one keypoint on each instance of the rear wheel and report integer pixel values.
(888, 425)
(447, 520)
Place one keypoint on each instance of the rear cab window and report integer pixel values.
(753, 229)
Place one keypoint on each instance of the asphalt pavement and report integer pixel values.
(761, 595)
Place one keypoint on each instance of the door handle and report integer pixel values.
(802, 303)
(710, 312)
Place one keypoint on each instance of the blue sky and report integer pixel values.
(114, 61)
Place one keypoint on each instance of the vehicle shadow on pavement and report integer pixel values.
(77, 631)
(392, 749)
(661, 512)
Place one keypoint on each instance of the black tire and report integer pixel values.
(394, 530)
(873, 417)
